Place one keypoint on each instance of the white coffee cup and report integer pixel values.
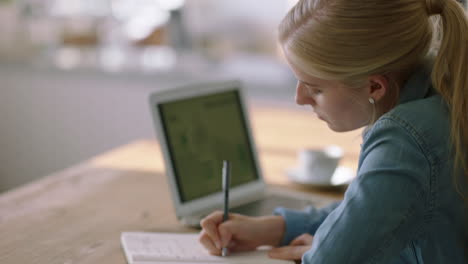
(318, 165)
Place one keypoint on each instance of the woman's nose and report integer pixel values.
(302, 95)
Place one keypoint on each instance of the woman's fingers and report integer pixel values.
(210, 227)
(225, 235)
(304, 239)
(207, 242)
(239, 233)
(295, 250)
(288, 252)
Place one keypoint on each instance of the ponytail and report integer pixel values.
(450, 75)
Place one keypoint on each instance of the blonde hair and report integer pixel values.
(349, 40)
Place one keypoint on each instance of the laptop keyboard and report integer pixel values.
(266, 205)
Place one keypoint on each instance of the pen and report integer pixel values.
(226, 178)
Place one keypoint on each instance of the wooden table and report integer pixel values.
(77, 215)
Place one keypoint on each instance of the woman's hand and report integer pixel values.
(295, 250)
(240, 233)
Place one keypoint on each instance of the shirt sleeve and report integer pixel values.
(383, 208)
(300, 222)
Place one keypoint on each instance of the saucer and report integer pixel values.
(341, 177)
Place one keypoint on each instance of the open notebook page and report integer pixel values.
(145, 247)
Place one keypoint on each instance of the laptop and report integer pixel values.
(200, 125)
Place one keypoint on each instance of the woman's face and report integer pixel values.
(342, 108)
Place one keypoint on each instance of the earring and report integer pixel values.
(371, 100)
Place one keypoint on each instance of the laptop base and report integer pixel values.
(266, 205)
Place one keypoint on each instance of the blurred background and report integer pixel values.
(75, 74)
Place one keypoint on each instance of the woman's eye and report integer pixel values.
(314, 91)
(311, 90)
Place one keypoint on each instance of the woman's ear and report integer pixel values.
(377, 87)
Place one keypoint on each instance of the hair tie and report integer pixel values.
(434, 7)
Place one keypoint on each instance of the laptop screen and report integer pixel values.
(201, 132)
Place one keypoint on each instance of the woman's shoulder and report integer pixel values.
(428, 116)
(423, 112)
(424, 121)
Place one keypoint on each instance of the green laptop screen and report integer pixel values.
(201, 132)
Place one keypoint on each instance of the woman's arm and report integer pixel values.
(300, 222)
(383, 209)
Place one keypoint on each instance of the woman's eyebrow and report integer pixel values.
(308, 84)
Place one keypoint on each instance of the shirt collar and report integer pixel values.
(418, 86)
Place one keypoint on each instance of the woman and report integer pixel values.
(367, 63)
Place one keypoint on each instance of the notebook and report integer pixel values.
(159, 248)
(200, 125)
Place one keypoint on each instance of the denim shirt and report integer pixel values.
(402, 207)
